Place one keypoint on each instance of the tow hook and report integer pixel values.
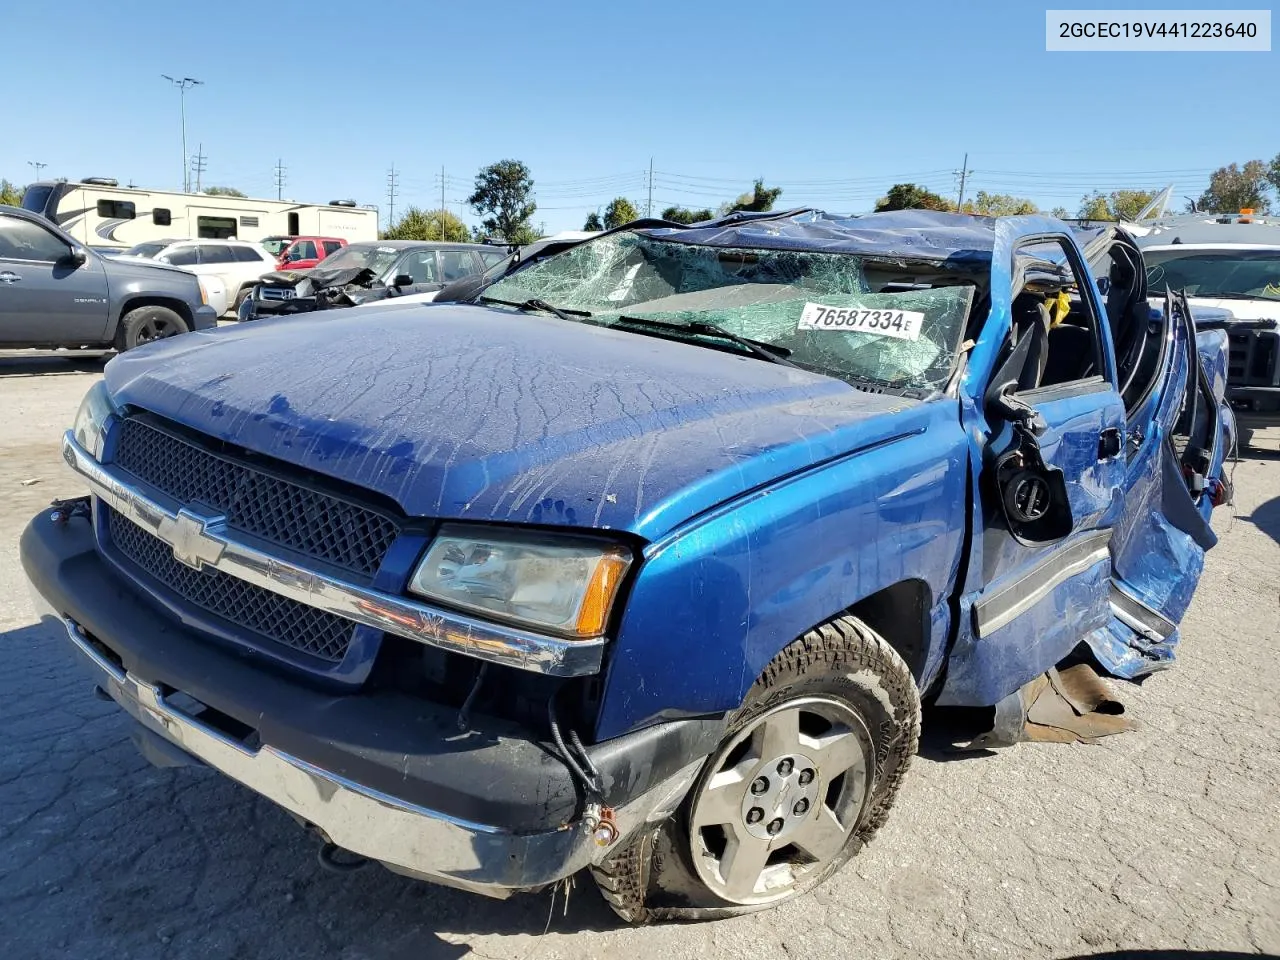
(601, 824)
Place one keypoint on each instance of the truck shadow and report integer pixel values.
(1266, 517)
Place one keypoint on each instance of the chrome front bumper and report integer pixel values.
(408, 839)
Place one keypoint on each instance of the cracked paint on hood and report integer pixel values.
(465, 412)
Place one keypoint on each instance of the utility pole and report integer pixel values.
(38, 166)
(391, 196)
(964, 176)
(182, 86)
(648, 207)
(280, 177)
(197, 164)
(442, 201)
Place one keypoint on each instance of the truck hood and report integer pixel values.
(140, 268)
(466, 412)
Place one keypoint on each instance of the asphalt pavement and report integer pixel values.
(1164, 838)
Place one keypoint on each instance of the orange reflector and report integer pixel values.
(598, 598)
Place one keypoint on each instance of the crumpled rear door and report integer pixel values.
(1177, 444)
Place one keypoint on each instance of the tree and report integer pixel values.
(1233, 188)
(593, 222)
(1116, 205)
(1273, 172)
(682, 215)
(523, 234)
(11, 193)
(759, 200)
(223, 192)
(501, 199)
(998, 205)
(428, 225)
(911, 196)
(619, 211)
(1059, 212)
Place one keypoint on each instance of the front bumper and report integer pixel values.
(204, 317)
(388, 777)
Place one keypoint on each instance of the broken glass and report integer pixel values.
(756, 293)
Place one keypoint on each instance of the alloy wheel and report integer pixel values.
(781, 799)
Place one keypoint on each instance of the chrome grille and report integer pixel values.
(255, 502)
(268, 614)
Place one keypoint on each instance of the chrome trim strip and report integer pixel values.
(1000, 608)
(1141, 619)
(204, 542)
(403, 836)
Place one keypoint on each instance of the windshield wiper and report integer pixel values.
(536, 304)
(702, 328)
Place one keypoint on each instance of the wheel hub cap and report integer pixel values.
(782, 802)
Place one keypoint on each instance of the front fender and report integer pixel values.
(717, 598)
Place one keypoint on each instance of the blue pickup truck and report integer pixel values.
(644, 559)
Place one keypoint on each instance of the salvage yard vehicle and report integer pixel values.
(1230, 263)
(235, 264)
(365, 273)
(644, 560)
(301, 253)
(55, 292)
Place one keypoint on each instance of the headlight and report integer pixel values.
(563, 584)
(91, 419)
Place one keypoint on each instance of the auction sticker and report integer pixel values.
(903, 324)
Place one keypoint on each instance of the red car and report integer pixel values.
(301, 253)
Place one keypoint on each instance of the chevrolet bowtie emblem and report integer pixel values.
(191, 542)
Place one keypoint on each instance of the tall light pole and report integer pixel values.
(38, 167)
(182, 97)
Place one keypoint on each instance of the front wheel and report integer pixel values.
(807, 773)
(144, 324)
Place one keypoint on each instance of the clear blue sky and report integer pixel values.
(834, 101)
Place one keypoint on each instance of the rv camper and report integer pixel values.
(98, 211)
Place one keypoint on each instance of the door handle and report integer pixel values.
(9, 277)
(1109, 443)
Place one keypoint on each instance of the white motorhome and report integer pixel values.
(98, 211)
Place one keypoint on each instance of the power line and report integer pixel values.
(391, 196)
(279, 175)
(198, 164)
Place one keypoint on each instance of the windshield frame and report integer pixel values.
(369, 253)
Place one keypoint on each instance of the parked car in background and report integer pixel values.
(502, 259)
(644, 560)
(364, 272)
(236, 263)
(1229, 264)
(55, 292)
(301, 253)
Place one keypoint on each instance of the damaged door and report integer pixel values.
(1173, 478)
(1050, 483)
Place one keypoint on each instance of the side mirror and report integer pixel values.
(402, 280)
(75, 257)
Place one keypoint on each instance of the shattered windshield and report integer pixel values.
(860, 320)
(1244, 274)
(358, 257)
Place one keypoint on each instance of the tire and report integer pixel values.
(857, 721)
(144, 324)
(240, 298)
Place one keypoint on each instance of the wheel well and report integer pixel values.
(900, 614)
(177, 306)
